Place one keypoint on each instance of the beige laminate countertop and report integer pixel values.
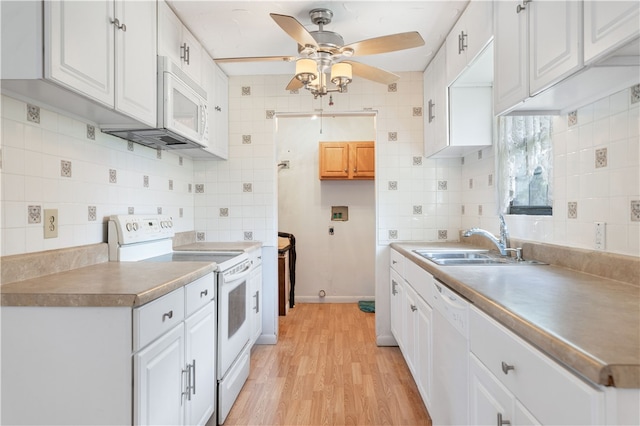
(587, 323)
(104, 284)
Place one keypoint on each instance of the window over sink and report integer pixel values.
(525, 165)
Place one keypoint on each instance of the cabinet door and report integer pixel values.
(396, 295)
(200, 352)
(191, 56)
(424, 350)
(555, 37)
(410, 313)
(608, 25)
(456, 53)
(334, 160)
(169, 33)
(435, 133)
(220, 113)
(158, 381)
(511, 76)
(256, 303)
(136, 60)
(362, 160)
(80, 51)
(489, 400)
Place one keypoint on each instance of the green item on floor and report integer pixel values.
(367, 305)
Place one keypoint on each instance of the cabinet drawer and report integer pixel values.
(397, 262)
(158, 317)
(420, 280)
(199, 293)
(549, 391)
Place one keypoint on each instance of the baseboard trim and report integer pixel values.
(386, 340)
(332, 299)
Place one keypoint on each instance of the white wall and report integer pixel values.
(604, 191)
(341, 264)
(32, 156)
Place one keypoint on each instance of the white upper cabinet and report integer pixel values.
(216, 84)
(95, 59)
(609, 25)
(536, 45)
(555, 37)
(177, 42)
(435, 108)
(555, 56)
(468, 37)
(81, 51)
(136, 60)
(105, 50)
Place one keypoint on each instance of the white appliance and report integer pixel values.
(150, 238)
(183, 117)
(449, 405)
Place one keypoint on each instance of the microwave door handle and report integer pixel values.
(206, 119)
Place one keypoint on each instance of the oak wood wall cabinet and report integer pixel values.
(347, 160)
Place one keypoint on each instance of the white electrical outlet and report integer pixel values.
(51, 223)
(600, 235)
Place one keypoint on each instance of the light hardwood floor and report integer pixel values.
(327, 370)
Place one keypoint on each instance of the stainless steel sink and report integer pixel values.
(471, 257)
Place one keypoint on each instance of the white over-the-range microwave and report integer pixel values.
(183, 117)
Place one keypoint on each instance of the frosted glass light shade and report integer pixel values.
(306, 70)
(341, 73)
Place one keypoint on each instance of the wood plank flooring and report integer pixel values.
(327, 370)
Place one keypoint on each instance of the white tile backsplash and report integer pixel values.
(37, 155)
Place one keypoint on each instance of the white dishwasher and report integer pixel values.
(450, 399)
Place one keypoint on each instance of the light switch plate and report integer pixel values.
(50, 223)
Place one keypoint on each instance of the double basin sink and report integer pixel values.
(471, 257)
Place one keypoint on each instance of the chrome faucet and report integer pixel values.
(502, 243)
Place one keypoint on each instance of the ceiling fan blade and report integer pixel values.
(294, 84)
(258, 59)
(295, 29)
(372, 73)
(384, 44)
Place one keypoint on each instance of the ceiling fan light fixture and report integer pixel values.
(341, 74)
(306, 70)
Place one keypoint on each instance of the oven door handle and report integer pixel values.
(239, 275)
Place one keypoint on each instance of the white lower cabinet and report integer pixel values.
(548, 391)
(411, 320)
(174, 375)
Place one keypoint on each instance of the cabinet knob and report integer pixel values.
(506, 367)
(414, 308)
(355, 170)
(522, 6)
(346, 170)
(501, 422)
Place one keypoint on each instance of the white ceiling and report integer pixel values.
(244, 28)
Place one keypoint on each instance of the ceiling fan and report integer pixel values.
(323, 53)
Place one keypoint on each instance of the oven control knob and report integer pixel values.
(135, 226)
(169, 224)
(128, 226)
(163, 224)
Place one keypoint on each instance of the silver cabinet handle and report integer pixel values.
(119, 26)
(522, 6)
(184, 53)
(257, 296)
(204, 292)
(431, 114)
(167, 315)
(193, 385)
(187, 390)
(217, 108)
(462, 42)
(393, 287)
(502, 422)
(393, 262)
(506, 367)
(414, 308)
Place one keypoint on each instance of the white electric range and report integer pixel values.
(150, 238)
